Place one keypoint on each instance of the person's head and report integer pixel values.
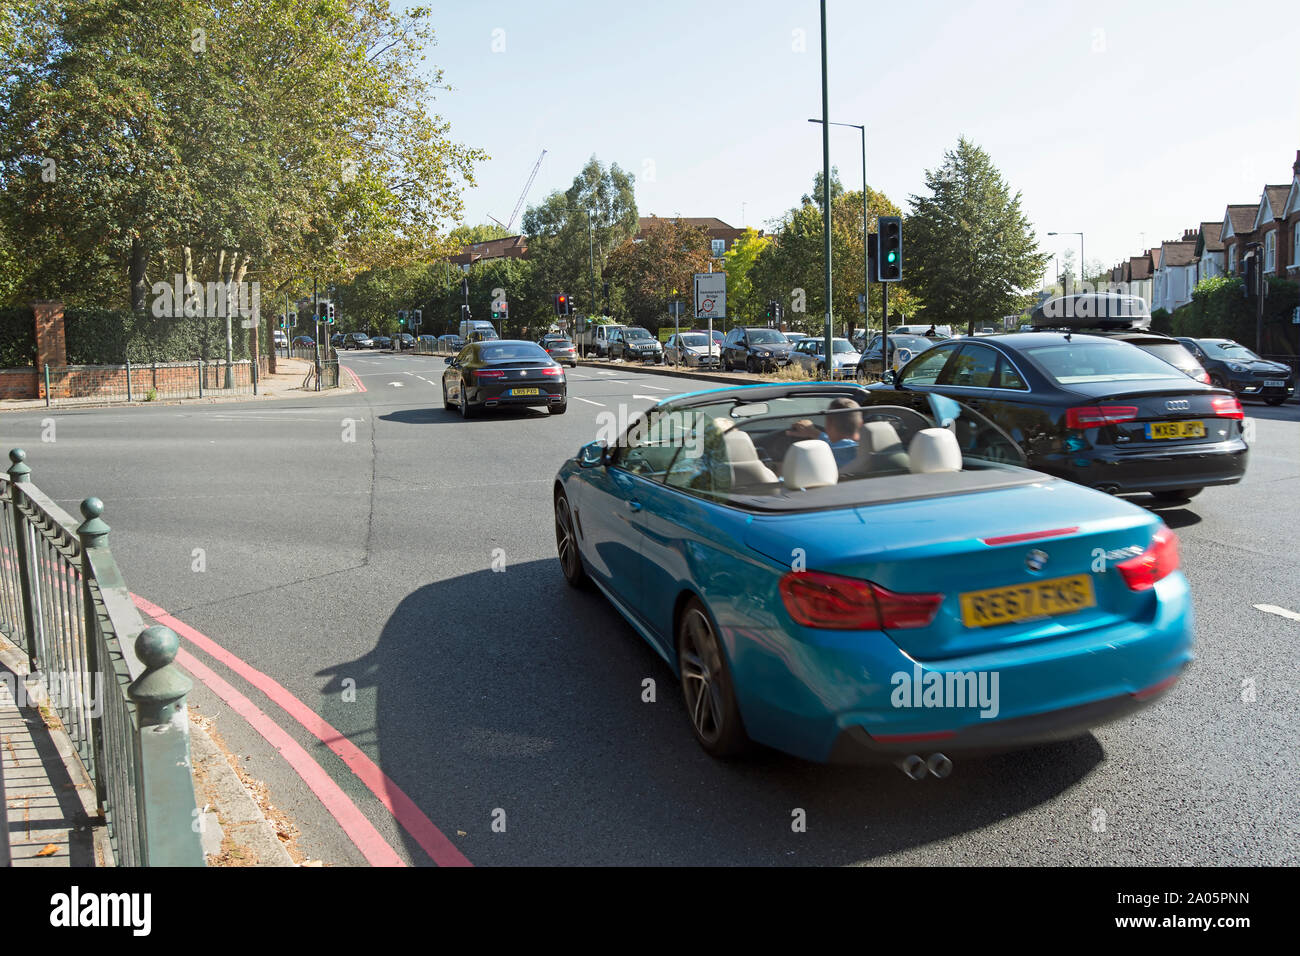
(843, 419)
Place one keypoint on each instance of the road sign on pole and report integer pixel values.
(710, 295)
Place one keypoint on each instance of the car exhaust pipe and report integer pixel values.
(1109, 489)
(939, 765)
(913, 766)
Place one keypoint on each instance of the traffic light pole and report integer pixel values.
(826, 191)
(884, 333)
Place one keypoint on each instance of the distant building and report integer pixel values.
(510, 247)
(721, 235)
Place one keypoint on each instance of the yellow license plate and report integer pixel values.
(525, 391)
(1029, 600)
(1176, 430)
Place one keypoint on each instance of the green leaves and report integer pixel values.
(968, 249)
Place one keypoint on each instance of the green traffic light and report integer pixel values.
(893, 256)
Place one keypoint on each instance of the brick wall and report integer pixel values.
(18, 383)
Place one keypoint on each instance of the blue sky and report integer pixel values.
(1128, 121)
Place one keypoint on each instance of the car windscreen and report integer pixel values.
(694, 341)
(513, 352)
(1080, 362)
(1171, 352)
(766, 337)
(636, 334)
(1229, 351)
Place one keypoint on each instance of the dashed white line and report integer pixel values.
(1279, 611)
(589, 401)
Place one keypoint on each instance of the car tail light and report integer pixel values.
(489, 373)
(1202, 376)
(1158, 561)
(1094, 416)
(552, 371)
(817, 599)
(1227, 406)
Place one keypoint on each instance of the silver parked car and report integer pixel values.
(692, 349)
(810, 354)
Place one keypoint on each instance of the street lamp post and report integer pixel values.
(866, 277)
(826, 191)
(1081, 261)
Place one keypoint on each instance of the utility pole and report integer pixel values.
(826, 190)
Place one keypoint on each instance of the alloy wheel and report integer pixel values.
(701, 669)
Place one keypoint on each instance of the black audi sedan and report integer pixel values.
(503, 372)
(1232, 365)
(1092, 409)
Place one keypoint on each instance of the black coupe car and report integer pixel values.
(1092, 409)
(503, 372)
(1232, 365)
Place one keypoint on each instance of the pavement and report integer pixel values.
(286, 383)
(380, 634)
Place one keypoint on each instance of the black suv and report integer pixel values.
(1232, 365)
(635, 344)
(755, 349)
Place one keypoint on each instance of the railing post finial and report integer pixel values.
(93, 531)
(162, 688)
(19, 472)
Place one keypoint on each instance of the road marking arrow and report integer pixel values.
(397, 384)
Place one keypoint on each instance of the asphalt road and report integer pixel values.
(354, 565)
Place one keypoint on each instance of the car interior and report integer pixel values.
(746, 450)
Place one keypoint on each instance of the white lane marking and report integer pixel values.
(589, 401)
(653, 398)
(657, 388)
(1279, 611)
(397, 384)
(602, 371)
(286, 418)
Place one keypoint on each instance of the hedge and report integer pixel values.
(17, 337)
(108, 337)
(1219, 310)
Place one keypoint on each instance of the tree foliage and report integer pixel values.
(968, 250)
(659, 268)
(219, 139)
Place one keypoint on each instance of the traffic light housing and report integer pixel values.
(417, 318)
(563, 304)
(401, 318)
(329, 313)
(889, 261)
(464, 313)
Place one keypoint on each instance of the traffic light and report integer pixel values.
(890, 259)
(417, 318)
(329, 313)
(464, 313)
(563, 305)
(771, 310)
(401, 318)
(780, 311)
(500, 310)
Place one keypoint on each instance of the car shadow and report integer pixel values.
(1176, 515)
(510, 696)
(425, 416)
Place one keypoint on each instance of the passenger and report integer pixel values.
(843, 429)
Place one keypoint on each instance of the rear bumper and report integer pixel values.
(859, 697)
(494, 397)
(1198, 467)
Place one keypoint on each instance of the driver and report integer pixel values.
(843, 429)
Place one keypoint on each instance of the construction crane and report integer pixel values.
(523, 195)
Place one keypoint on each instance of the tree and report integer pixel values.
(968, 249)
(222, 140)
(667, 259)
(738, 262)
(572, 233)
(817, 197)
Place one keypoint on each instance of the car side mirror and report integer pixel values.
(449, 360)
(593, 454)
(898, 379)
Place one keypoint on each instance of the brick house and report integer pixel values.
(1267, 226)
(1289, 236)
(1175, 274)
(1209, 251)
(721, 235)
(510, 247)
(1237, 230)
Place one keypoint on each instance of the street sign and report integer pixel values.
(710, 295)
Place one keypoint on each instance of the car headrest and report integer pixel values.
(933, 450)
(879, 448)
(740, 447)
(809, 464)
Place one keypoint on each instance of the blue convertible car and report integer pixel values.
(844, 574)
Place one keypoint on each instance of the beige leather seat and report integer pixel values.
(934, 450)
(747, 469)
(879, 450)
(809, 464)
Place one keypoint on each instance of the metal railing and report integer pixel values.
(111, 681)
(154, 381)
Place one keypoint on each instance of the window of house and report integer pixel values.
(719, 247)
(1295, 245)
(1232, 260)
(1270, 251)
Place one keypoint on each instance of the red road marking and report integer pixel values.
(411, 818)
(355, 378)
(354, 823)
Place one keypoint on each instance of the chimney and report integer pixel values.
(1295, 167)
